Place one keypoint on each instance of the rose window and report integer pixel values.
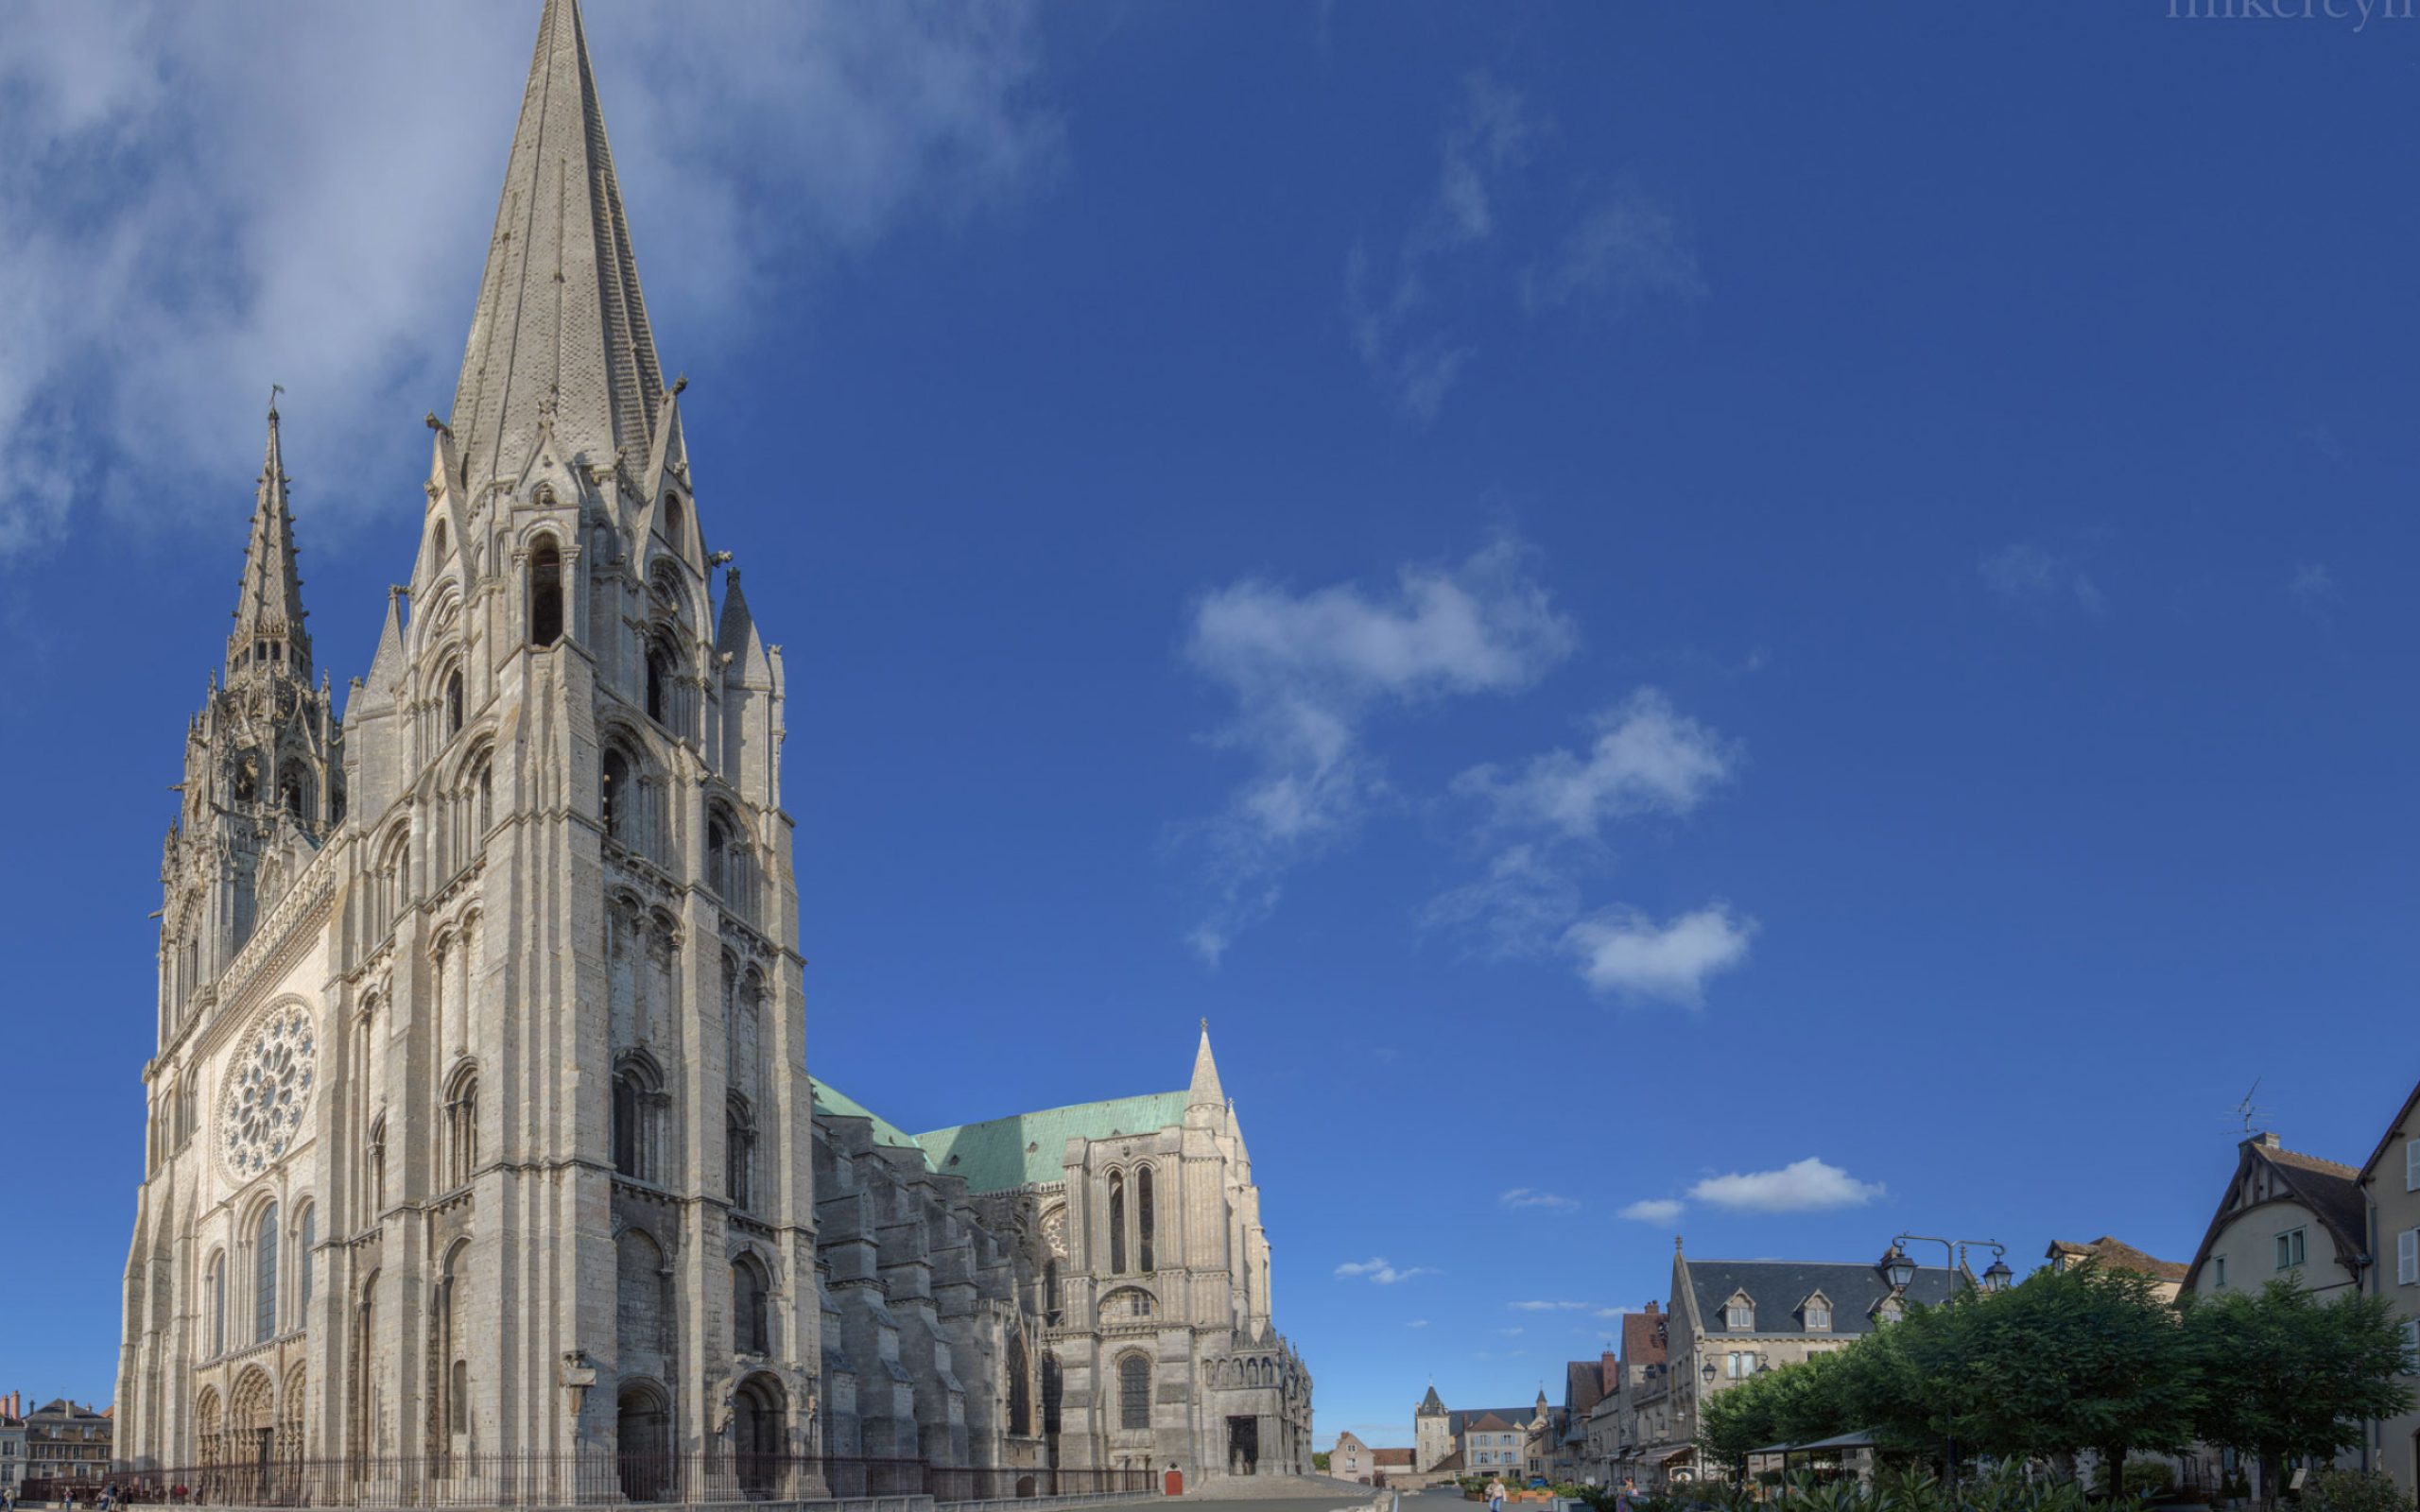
(268, 1090)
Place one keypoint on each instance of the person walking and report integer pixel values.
(1494, 1494)
(1630, 1489)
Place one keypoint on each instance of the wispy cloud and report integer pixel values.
(191, 209)
(1623, 950)
(1614, 1311)
(1409, 317)
(1626, 248)
(1506, 1333)
(2314, 586)
(1520, 1197)
(1382, 1272)
(1662, 1212)
(1544, 824)
(1551, 1307)
(1803, 1186)
(2027, 577)
(1308, 670)
(1417, 1323)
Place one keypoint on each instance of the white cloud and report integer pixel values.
(1623, 950)
(2023, 575)
(1646, 758)
(1661, 1212)
(1545, 819)
(1417, 1323)
(1615, 1312)
(2312, 585)
(200, 200)
(1520, 1197)
(1307, 670)
(1550, 1307)
(1488, 137)
(1380, 1272)
(1803, 1186)
(1506, 1333)
(1626, 248)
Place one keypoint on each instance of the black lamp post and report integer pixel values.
(1901, 1272)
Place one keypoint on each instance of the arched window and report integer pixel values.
(658, 683)
(717, 855)
(739, 1152)
(463, 1129)
(218, 1304)
(634, 1089)
(750, 1315)
(1143, 1216)
(1020, 1390)
(1052, 1388)
(264, 1276)
(1116, 1224)
(303, 1262)
(452, 703)
(289, 791)
(246, 779)
(377, 1173)
(486, 796)
(672, 516)
(438, 537)
(1050, 1310)
(614, 796)
(546, 592)
(1133, 1392)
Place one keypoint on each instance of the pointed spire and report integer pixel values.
(560, 337)
(269, 609)
(1205, 1092)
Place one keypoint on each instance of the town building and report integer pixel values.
(481, 1138)
(2109, 1254)
(2390, 1187)
(2284, 1214)
(1729, 1320)
(68, 1442)
(12, 1445)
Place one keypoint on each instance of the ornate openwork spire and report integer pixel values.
(269, 615)
(560, 337)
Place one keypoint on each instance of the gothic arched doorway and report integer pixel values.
(759, 1434)
(643, 1442)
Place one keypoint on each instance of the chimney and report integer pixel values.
(1651, 1304)
(2267, 1141)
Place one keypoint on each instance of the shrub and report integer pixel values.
(2353, 1491)
(2144, 1477)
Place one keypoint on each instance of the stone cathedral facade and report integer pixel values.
(480, 1125)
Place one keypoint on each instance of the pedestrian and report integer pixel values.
(1630, 1489)
(1494, 1494)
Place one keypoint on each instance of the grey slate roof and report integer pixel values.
(1515, 1418)
(1778, 1286)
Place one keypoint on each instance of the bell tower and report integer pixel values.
(264, 781)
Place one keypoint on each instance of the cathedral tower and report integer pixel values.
(490, 1001)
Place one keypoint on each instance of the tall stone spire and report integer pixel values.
(559, 336)
(269, 615)
(1206, 1093)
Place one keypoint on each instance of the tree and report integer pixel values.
(2292, 1376)
(2084, 1358)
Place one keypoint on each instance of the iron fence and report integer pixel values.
(581, 1479)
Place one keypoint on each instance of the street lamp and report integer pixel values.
(1997, 1278)
(1896, 1267)
(1707, 1374)
(1901, 1271)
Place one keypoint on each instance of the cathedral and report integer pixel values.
(482, 1148)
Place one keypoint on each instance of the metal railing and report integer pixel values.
(580, 1479)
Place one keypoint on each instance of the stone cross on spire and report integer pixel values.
(270, 612)
(560, 337)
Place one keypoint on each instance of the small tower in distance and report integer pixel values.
(1432, 1432)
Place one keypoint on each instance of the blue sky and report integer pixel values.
(1797, 617)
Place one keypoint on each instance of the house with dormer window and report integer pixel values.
(1731, 1320)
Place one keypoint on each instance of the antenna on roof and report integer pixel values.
(2253, 1118)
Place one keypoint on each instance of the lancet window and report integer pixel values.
(546, 592)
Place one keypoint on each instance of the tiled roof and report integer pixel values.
(1642, 1338)
(1778, 1286)
(1390, 1457)
(2113, 1255)
(2327, 1188)
(1489, 1422)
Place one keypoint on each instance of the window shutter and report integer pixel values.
(2412, 1165)
(2406, 1257)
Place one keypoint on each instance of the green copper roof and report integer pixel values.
(884, 1132)
(1023, 1149)
(1026, 1148)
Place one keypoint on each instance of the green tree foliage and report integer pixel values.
(2085, 1358)
(2294, 1375)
